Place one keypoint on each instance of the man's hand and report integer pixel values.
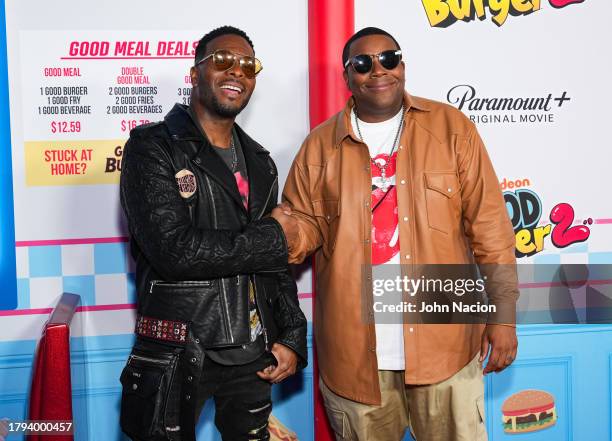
(503, 347)
(285, 207)
(287, 364)
(282, 213)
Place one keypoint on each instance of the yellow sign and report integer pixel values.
(443, 13)
(73, 162)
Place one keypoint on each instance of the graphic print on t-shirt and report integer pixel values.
(243, 188)
(385, 232)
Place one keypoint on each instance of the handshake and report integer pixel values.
(284, 216)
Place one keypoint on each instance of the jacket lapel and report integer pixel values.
(262, 176)
(188, 137)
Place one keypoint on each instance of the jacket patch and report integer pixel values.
(186, 182)
(165, 330)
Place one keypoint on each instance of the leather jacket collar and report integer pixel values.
(261, 171)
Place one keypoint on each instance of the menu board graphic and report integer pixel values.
(87, 90)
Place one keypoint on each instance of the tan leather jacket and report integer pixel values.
(451, 210)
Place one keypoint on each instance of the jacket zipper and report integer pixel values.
(263, 209)
(184, 283)
(227, 317)
(264, 330)
(151, 360)
(212, 201)
(228, 325)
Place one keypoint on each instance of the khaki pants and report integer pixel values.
(452, 410)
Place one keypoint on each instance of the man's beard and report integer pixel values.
(211, 101)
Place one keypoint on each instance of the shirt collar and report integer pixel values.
(344, 127)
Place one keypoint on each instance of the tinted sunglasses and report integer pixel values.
(224, 60)
(363, 63)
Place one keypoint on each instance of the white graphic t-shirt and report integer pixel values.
(379, 138)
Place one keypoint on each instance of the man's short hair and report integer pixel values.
(364, 33)
(200, 51)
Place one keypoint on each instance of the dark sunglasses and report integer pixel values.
(363, 63)
(224, 60)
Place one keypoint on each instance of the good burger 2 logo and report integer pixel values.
(506, 110)
(443, 13)
(525, 211)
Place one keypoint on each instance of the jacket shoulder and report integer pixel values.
(153, 129)
(320, 142)
(150, 140)
(327, 127)
(443, 120)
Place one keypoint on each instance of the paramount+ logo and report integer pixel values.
(443, 13)
(541, 109)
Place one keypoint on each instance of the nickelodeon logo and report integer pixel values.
(508, 184)
(443, 13)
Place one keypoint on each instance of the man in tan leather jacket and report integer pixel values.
(444, 202)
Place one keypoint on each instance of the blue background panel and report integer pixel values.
(8, 295)
(45, 261)
(110, 258)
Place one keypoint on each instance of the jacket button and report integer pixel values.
(197, 341)
(194, 360)
(407, 256)
(190, 378)
(450, 190)
(411, 329)
(134, 386)
(269, 300)
(372, 349)
(405, 218)
(402, 182)
(188, 397)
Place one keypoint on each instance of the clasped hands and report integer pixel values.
(284, 216)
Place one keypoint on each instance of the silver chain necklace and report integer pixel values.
(234, 155)
(386, 182)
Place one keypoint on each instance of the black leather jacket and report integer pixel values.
(195, 251)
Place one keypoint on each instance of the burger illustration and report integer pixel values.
(528, 411)
(278, 432)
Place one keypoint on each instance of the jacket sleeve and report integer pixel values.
(159, 222)
(290, 319)
(487, 226)
(297, 194)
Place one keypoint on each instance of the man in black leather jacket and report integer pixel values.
(218, 313)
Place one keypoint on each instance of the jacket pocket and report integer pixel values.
(443, 200)
(179, 301)
(146, 381)
(327, 213)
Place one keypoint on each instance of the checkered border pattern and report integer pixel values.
(101, 273)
